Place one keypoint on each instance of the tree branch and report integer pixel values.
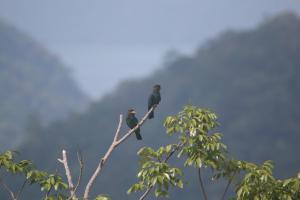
(227, 186)
(118, 129)
(180, 144)
(201, 184)
(80, 161)
(141, 122)
(5, 187)
(145, 193)
(21, 189)
(113, 145)
(226, 189)
(47, 194)
(64, 161)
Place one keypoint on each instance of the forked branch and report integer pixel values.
(116, 142)
(64, 161)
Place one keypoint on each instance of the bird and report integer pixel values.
(132, 121)
(154, 99)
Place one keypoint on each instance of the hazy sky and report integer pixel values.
(107, 41)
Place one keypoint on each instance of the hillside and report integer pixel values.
(250, 78)
(33, 82)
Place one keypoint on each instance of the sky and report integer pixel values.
(106, 41)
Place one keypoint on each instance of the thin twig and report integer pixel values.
(64, 161)
(47, 194)
(116, 142)
(5, 187)
(146, 193)
(80, 161)
(118, 128)
(102, 161)
(21, 189)
(179, 145)
(226, 189)
(227, 186)
(201, 184)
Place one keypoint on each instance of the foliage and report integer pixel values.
(103, 197)
(259, 183)
(198, 145)
(7, 161)
(200, 148)
(203, 149)
(155, 172)
(46, 181)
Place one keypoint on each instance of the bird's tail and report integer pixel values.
(138, 135)
(151, 115)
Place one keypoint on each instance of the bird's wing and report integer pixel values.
(159, 98)
(128, 122)
(135, 121)
(151, 101)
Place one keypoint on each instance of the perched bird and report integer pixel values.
(154, 99)
(132, 121)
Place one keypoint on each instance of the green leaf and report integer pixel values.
(103, 197)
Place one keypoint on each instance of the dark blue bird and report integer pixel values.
(132, 121)
(154, 99)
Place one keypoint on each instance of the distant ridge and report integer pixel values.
(250, 78)
(32, 81)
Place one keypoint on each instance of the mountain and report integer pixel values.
(249, 78)
(33, 82)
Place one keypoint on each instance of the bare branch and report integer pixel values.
(119, 128)
(226, 189)
(145, 193)
(201, 184)
(227, 186)
(80, 160)
(5, 187)
(102, 161)
(21, 189)
(64, 161)
(114, 144)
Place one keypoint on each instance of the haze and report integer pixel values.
(104, 42)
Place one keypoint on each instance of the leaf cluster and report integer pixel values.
(201, 148)
(155, 172)
(259, 183)
(103, 197)
(46, 181)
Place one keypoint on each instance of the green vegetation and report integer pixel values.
(202, 149)
(198, 146)
(25, 168)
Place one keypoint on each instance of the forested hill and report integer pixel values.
(32, 82)
(250, 78)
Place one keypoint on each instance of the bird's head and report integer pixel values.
(131, 111)
(156, 88)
